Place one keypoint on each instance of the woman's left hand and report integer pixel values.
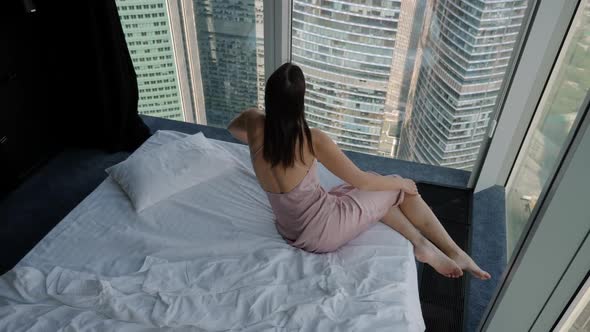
(409, 187)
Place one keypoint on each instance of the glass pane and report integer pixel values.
(555, 115)
(578, 317)
(231, 51)
(147, 31)
(197, 61)
(414, 80)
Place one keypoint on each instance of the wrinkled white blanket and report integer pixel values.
(206, 259)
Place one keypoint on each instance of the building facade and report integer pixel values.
(230, 42)
(147, 28)
(465, 52)
(356, 58)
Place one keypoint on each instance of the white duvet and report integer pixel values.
(206, 259)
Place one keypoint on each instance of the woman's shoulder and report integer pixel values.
(255, 125)
(316, 132)
(255, 115)
(318, 137)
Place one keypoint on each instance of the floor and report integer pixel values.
(34, 208)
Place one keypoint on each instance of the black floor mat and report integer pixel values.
(443, 299)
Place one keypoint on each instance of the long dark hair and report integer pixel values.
(285, 122)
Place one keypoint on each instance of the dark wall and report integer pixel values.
(26, 92)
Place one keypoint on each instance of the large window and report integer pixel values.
(412, 79)
(559, 106)
(199, 61)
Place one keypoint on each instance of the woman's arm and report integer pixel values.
(238, 127)
(330, 155)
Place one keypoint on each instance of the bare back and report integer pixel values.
(248, 127)
(276, 179)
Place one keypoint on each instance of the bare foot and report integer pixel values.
(428, 253)
(466, 263)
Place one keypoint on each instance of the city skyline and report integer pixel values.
(412, 79)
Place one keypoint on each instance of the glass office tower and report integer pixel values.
(147, 28)
(466, 51)
(357, 59)
(230, 41)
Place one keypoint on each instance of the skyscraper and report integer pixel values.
(356, 59)
(230, 42)
(147, 25)
(466, 48)
(405, 55)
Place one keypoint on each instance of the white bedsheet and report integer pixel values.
(208, 258)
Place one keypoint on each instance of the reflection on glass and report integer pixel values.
(196, 60)
(411, 79)
(555, 115)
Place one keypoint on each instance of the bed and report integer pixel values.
(205, 259)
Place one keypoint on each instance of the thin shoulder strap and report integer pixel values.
(257, 150)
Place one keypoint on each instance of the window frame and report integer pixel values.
(571, 313)
(548, 25)
(277, 38)
(533, 296)
(277, 34)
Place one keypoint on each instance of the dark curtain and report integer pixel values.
(26, 126)
(66, 79)
(97, 84)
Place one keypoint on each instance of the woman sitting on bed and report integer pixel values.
(285, 153)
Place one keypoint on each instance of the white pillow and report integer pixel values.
(156, 174)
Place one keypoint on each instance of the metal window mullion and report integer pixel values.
(277, 34)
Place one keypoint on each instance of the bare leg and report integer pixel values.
(421, 216)
(424, 250)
